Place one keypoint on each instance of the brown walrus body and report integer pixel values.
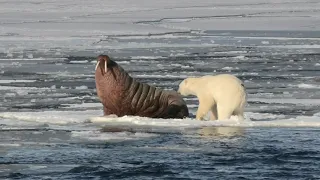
(122, 95)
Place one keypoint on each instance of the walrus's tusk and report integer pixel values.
(97, 65)
(105, 66)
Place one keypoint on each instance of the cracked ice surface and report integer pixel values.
(65, 25)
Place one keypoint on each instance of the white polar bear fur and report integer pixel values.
(222, 95)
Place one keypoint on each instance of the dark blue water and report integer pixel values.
(259, 153)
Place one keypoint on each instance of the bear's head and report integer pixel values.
(186, 87)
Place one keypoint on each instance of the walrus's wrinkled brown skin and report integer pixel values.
(122, 95)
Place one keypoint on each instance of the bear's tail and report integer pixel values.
(245, 95)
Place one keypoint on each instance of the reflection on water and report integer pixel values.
(222, 131)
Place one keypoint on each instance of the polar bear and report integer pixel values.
(222, 95)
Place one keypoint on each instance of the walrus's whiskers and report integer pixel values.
(105, 66)
(97, 65)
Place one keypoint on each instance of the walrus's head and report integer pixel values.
(107, 68)
(106, 72)
(178, 107)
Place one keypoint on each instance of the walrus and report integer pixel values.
(122, 95)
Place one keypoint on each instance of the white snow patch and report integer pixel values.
(15, 81)
(300, 46)
(300, 121)
(309, 86)
(227, 68)
(99, 136)
(9, 94)
(145, 57)
(53, 87)
(82, 87)
(10, 145)
(21, 88)
(79, 62)
(34, 59)
(51, 117)
(241, 57)
(84, 105)
(288, 101)
(278, 38)
(161, 76)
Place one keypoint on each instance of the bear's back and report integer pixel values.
(222, 84)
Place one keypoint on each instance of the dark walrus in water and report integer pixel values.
(122, 95)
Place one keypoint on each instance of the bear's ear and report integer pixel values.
(185, 81)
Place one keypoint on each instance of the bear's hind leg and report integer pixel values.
(224, 112)
(240, 117)
(239, 114)
(213, 113)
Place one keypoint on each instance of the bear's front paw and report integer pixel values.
(199, 118)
